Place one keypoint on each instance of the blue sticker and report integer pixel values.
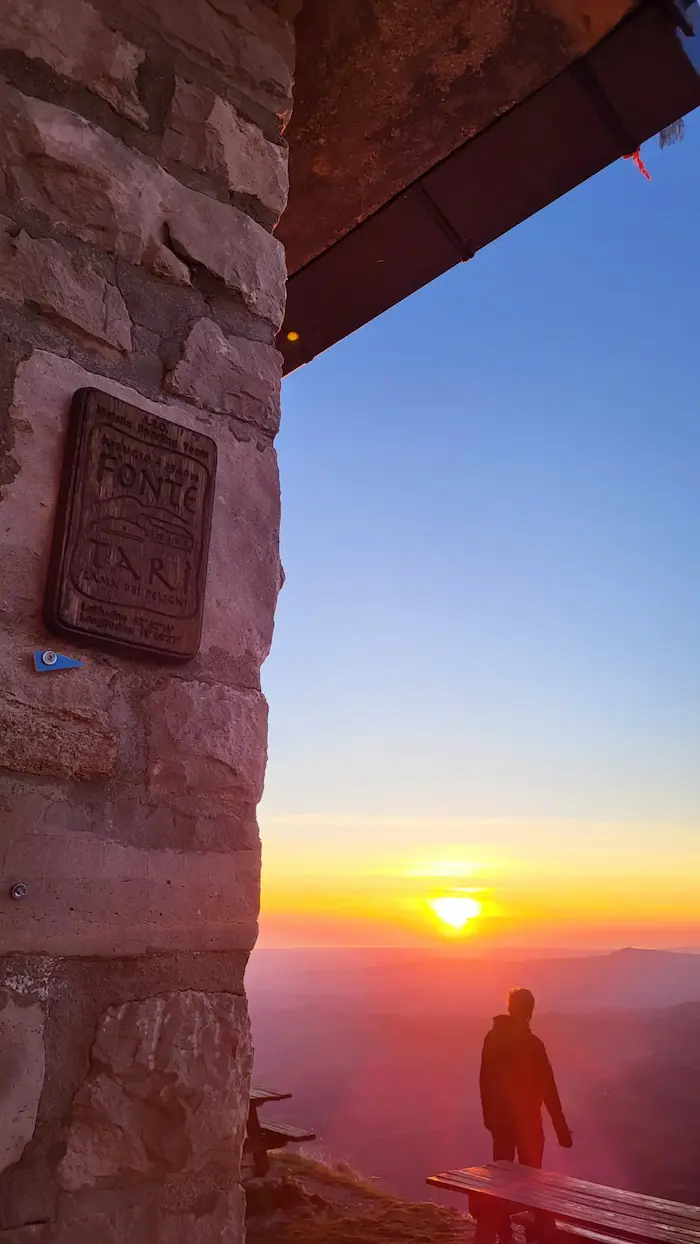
(46, 660)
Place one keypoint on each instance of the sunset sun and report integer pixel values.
(455, 911)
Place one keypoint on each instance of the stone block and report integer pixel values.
(90, 184)
(92, 689)
(245, 40)
(230, 376)
(127, 817)
(88, 896)
(163, 310)
(272, 23)
(114, 1219)
(22, 1068)
(207, 741)
(229, 245)
(288, 10)
(75, 726)
(166, 1094)
(244, 569)
(35, 1233)
(63, 285)
(136, 820)
(206, 132)
(71, 37)
(164, 263)
(74, 744)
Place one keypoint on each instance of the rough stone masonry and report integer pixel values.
(143, 172)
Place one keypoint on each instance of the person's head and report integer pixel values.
(521, 1004)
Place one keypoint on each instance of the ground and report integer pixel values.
(305, 1201)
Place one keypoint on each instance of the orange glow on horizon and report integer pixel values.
(387, 881)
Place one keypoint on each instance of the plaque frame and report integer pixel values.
(132, 531)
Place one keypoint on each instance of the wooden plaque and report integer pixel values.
(131, 541)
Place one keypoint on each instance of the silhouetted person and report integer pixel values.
(516, 1082)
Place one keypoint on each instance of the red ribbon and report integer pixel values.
(636, 157)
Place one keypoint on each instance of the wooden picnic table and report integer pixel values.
(264, 1135)
(583, 1210)
(259, 1096)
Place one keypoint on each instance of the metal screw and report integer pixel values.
(18, 891)
(49, 657)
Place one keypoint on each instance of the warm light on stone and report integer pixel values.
(136, 258)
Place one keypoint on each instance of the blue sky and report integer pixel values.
(491, 505)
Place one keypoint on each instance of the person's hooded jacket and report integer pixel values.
(517, 1081)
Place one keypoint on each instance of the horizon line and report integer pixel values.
(451, 948)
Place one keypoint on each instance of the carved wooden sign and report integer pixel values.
(131, 540)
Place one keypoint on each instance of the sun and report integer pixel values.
(457, 912)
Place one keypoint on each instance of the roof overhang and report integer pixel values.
(402, 166)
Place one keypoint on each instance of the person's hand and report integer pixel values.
(564, 1137)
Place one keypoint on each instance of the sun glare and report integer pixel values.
(457, 912)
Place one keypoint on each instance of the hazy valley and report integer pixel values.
(381, 1051)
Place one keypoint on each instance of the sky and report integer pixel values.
(485, 676)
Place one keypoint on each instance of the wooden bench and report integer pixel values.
(569, 1232)
(582, 1210)
(264, 1136)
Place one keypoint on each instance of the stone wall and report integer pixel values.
(143, 172)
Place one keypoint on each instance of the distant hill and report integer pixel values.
(650, 1109)
(408, 980)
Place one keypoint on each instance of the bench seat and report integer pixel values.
(566, 1231)
(584, 1210)
(583, 1233)
(264, 1135)
(259, 1095)
(277, 1135)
